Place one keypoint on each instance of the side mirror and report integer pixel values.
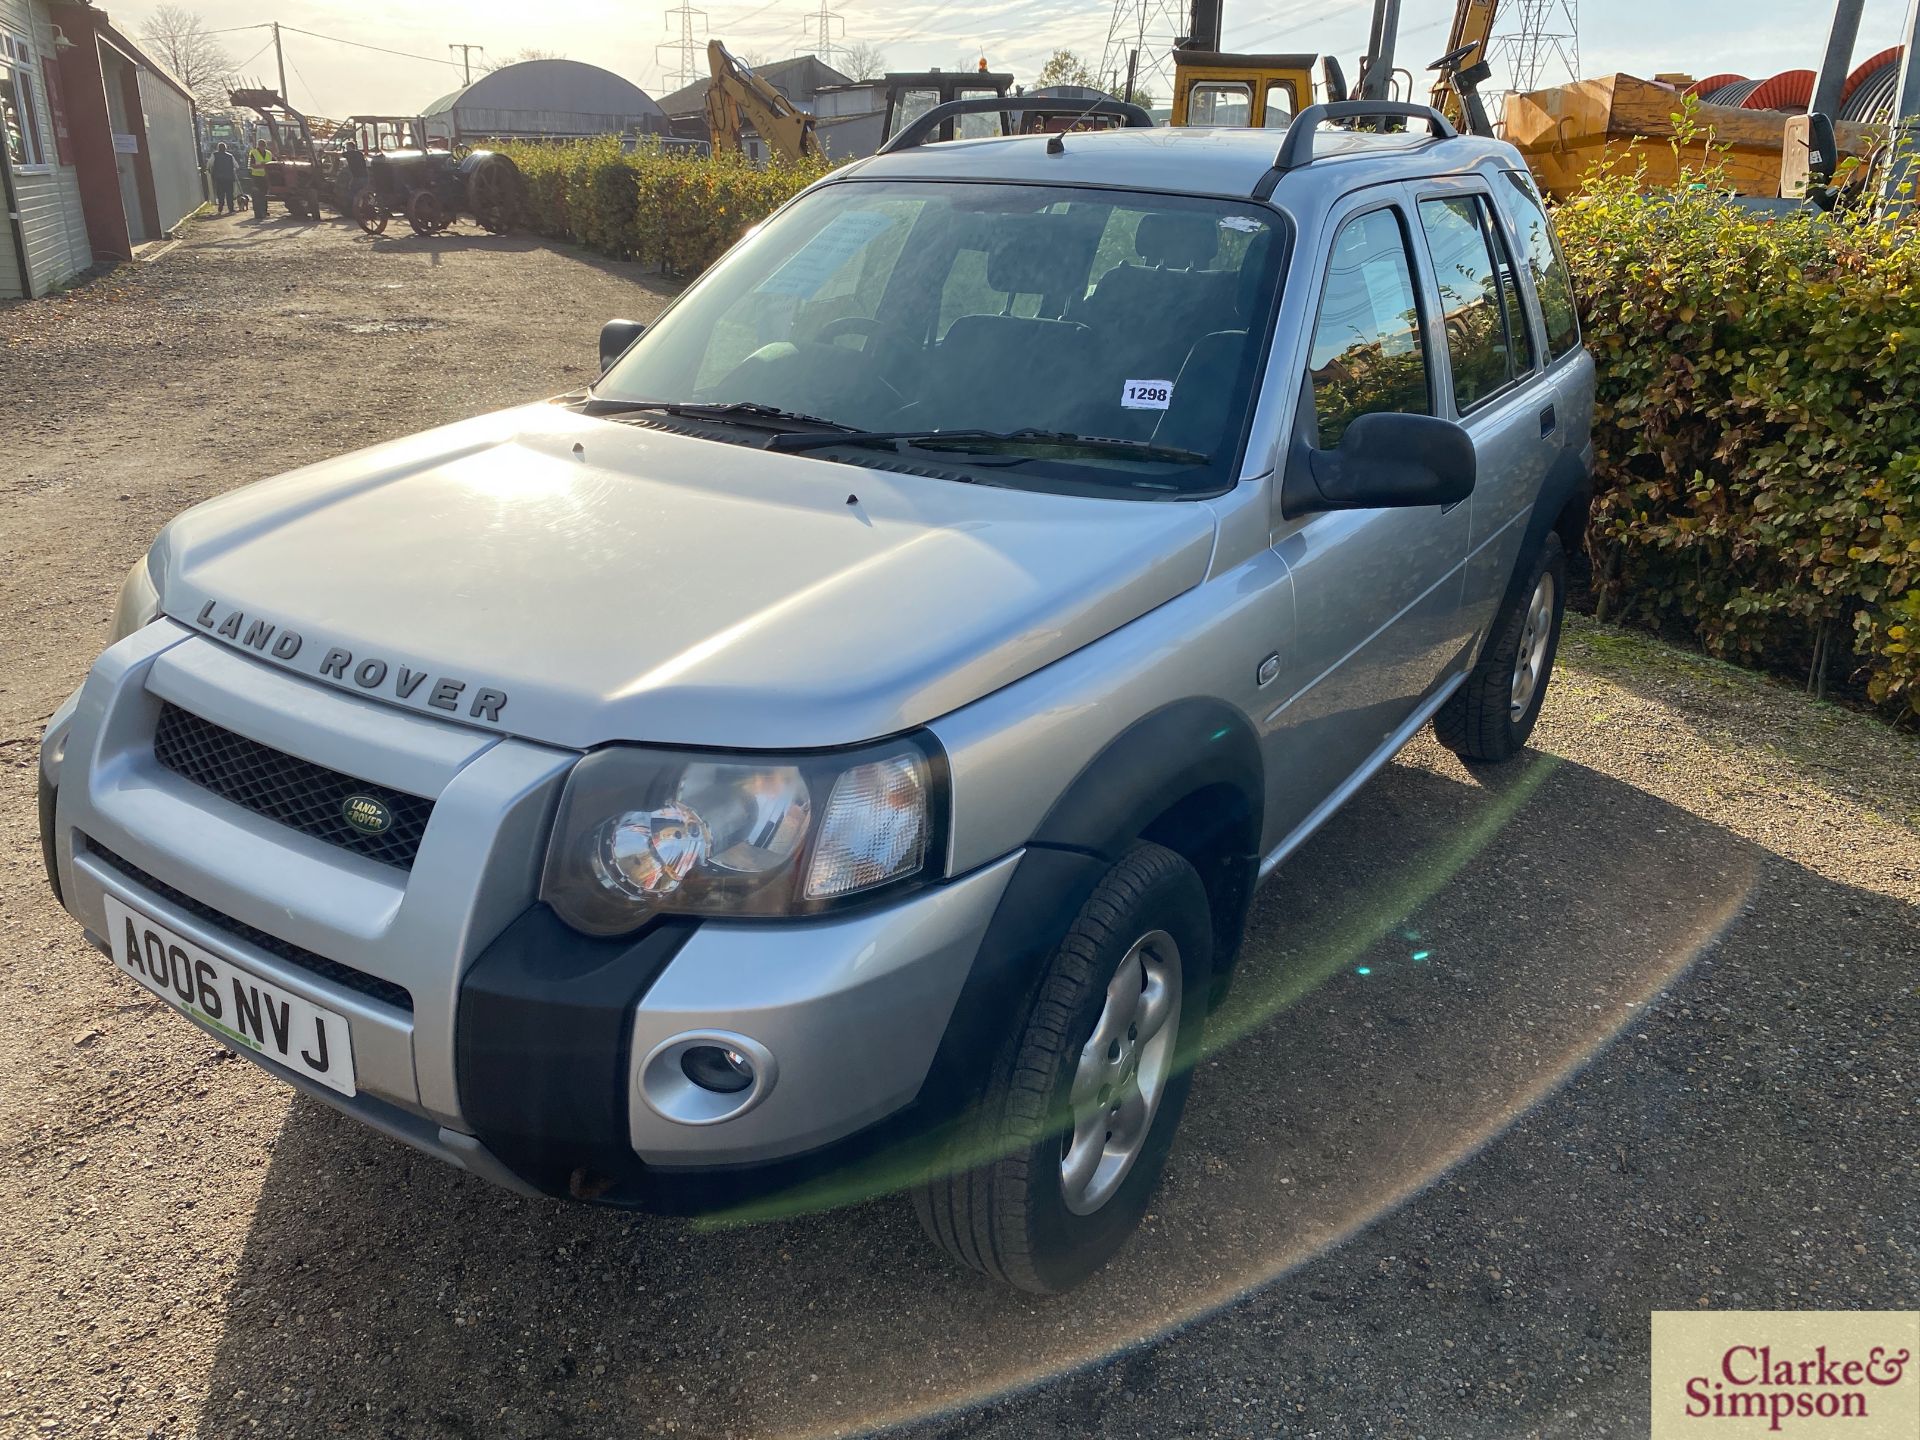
(615, 337)
(1385, 461)
(1334, 78)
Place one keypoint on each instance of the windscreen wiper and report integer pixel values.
(748, 411)
(988, 441)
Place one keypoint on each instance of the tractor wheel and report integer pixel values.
(369, 212)
(426, 214)
(493, 194)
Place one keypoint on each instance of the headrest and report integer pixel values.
(1180, 238)
(1040, 254)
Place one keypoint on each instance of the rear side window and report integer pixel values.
(1540, 252)
(1486, 329)
(1368, 353)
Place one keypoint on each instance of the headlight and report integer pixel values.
(139, 603)
(650, 832)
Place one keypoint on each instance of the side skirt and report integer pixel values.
(1392, 746)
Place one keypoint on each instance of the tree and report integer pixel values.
(1067, 68)
(181, 42)
(520, 57)
(862, 60)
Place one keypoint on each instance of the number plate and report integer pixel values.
(261, 1017)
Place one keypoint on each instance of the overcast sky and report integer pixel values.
(1753, 37)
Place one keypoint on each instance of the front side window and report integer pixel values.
(19, 116)
(1486, 333)
(1368, 351)
(910, 107)
(920, 306)
(976, 127)
(1540, 252)
(1220, 102)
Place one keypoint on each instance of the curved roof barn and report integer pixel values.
(545, 99)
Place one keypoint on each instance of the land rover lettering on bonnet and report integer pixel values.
(923, 637)
(368, 673)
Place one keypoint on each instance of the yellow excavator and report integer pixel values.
(738, 100)
(1213, 87)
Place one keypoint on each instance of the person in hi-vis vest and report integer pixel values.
(257, 158)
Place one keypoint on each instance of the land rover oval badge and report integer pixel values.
(366, 814)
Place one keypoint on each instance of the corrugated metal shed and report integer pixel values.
(545, 98)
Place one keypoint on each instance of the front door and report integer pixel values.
(1377, 593)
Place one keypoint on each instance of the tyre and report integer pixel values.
(369, 212)
(1079, 1113)
(1491, 715)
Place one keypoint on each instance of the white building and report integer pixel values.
(99, 153)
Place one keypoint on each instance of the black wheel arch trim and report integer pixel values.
(1181, 751)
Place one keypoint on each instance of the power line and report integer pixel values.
(253, 57)
(360, 45)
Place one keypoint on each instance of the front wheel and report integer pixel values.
(369, 212)
(1493, 712)
(1074, 1129)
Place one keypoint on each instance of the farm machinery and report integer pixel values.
(295, 176)
(432, 188)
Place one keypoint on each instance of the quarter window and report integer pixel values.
(1485, 328)
(19, 113)
(1540, 251)
(1368, 352)
(1279, 105)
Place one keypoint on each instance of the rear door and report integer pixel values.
(1377, 592)
(1556, 320)
(1495, 387)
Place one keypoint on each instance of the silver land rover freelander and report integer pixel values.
(845, 739)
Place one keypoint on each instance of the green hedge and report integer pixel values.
(675, 211)
(1758, 431)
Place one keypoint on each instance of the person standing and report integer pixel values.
(257, 159)
(224, 170)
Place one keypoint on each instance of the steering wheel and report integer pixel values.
(860, 325)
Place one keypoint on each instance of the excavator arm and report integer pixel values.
(738, 99)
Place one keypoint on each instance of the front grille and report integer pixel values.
(297, 793)
(320, 966)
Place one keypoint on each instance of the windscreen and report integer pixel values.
(916, 306)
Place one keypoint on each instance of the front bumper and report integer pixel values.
(483, 1030)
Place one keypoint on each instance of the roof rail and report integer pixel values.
(1297, 149)
(917, 132)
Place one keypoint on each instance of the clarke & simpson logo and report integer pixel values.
(1808, 1373)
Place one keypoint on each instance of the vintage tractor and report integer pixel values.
(431, 188)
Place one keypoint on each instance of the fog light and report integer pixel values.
(712, 1067)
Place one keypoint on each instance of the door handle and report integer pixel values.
(1548, 422)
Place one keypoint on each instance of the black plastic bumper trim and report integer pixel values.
(49, 799)
(541, 1051)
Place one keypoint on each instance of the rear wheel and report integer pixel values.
(1074, 1129)
(1493, 712)
(493, 193)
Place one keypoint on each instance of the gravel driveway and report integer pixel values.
(1515, 1057)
